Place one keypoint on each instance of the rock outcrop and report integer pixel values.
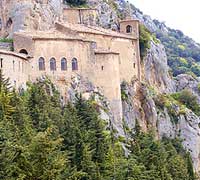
(156, 69)
(28, 14)
(185, 81)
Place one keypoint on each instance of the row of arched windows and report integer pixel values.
(41, 63)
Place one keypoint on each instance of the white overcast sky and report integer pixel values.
(177, 14)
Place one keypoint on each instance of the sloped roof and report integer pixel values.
(50, 35)
(13, 54)
(81, 28)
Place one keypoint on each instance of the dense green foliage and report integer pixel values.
(183, 53)
(42, 140)
(6, 40)
(163, 101)
(145, 37)
(188, 99)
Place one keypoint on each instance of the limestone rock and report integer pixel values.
(156, 69)
(131, 105)
(107, 16)
(164, 125)
(185, 81)
(19, 15)
(190, 133)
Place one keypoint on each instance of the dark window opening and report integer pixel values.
(128, 29)
(74, 64)
(0, 24)
(22, 66)
(9, 23)
(53, 64)
(13, 65)
(41, 63)
(23, 51)
(1, 62)
(133, 65)
(63, 64)
(102, 67)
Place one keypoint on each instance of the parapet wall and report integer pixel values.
(6, 46)
(80, 16)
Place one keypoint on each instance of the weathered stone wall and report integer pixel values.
(23, 42)
(16, 67)
(107, 77)
(6, 46)
(129, 64)
(80, 16)
(59, 49)
(134, 27)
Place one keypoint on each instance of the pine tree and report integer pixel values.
(5, 98)
(88, 166)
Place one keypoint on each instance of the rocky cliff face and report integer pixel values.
(28, 14)
(156, 69)
(139, 98)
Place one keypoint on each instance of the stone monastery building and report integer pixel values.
(76, 45)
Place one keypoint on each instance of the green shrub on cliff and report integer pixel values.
(6, 40)
(179, 46)
(145, 38)
(188, 99)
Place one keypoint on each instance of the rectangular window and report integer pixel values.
(13, 65)
(1, 62)
(22, 66)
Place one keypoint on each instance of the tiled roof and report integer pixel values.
(13, 54)
(94, 30)
(48, 35)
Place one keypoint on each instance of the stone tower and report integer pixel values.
(130, 26)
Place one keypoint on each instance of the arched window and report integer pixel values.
(1, 60)
(0, 24)
(9, 23)
(53, 64)
(63, 64)
(23, 51)
(74, 64)
(128, 29)
(41, 63)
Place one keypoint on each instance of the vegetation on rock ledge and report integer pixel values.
(188, 99)
(145, 37)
